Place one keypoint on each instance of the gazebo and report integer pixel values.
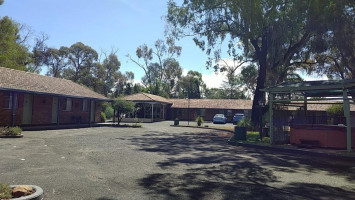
(152, 107)
(301, 94)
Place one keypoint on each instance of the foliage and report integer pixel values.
(335, 110)
(122, 107)
(10, 131)
(266, 140)
(261, 29)
(5, 191)
(245, 122)
(13, 53)
(103, 117)
(191, 86)
(160, 65)
(199, 120)
(107, 109)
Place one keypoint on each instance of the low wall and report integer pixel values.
(329, 136)
(136, 120)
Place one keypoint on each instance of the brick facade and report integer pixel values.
(207, 114)
(42, 111)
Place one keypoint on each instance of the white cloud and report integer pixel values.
(214, 80)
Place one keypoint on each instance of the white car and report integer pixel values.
(219, 118)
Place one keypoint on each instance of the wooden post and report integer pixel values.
(348, 120)
(271, 121)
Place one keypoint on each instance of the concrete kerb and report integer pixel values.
(279, 148)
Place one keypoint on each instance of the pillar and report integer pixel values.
(348, 120)
(271, 121)
(13, 108)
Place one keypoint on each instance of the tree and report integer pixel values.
(13, 53)
(110, 75)
(81, 59)
(122, 108)
(333, 52)
(56, 61)
(192, 85)
(274, 33)
(160, 65)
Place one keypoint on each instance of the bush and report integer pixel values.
(245, 122)
(266, 140)
(336, 110)
(5, 191)
(199, 120)
(10, 130)
(103, 117)
(108, 110)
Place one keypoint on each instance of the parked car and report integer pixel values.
(237, 117)
(219, 118)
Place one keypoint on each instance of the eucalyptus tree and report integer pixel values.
(13, 52)
(159, 64)
(274, 33)
(81, 59)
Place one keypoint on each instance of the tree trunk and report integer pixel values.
(259, 96)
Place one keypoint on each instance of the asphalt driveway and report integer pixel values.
(163, 162)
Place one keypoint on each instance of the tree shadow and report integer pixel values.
(202, 166)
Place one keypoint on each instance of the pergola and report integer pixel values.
(297, 93)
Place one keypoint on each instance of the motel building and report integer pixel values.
(32, 100)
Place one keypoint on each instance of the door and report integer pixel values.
(92, 111)
(55, 110)
(27, 109)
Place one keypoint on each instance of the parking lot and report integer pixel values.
(163, 162)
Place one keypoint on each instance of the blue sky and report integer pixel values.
(106, 24)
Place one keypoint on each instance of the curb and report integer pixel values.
(283, 149)
(297, 151)
(218, 129)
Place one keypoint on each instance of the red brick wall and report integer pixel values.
(5, 114)
(76, 115)
(98, 109)
(42, 109)
(209, 114)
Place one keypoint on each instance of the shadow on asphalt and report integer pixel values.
(212, 167)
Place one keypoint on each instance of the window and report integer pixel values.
(85, 105)
(7, 101)
(67, 105)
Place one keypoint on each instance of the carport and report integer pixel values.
(301, 94)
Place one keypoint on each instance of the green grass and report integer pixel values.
(253, 138)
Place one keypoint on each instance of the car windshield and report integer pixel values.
(219, 115)
(239, 115)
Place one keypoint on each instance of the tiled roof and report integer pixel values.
(213, 103)
(231, 104)
(145, 97)
(11, 79)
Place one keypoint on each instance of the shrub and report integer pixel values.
(336, 110)
(10, 130)
(108, 110)
(266, 140)
(14, 130)
(103, 117)
(5, 191)
(245, 122)
(199, 120)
